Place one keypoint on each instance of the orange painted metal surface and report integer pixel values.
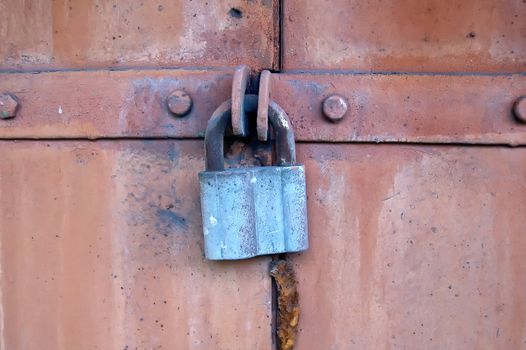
(413, 247)
(405, 108)
(98, 104)
(101, 248)
(382, 108)
(407, 35)
(38, 34)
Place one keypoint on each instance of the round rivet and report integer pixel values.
(519, 109)
(179, 103)
(335, 107)
(8, 106)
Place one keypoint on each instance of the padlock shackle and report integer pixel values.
(278, 119)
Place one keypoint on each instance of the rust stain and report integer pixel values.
(288, 303)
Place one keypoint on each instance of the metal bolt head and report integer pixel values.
(179, 103)
(8, 106)
(519, 109)
(335, 107)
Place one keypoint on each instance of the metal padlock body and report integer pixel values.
(257, 210)
(253, 211)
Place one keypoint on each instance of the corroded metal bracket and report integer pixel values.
(412, 108)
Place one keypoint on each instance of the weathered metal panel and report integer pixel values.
(43, 34)
(101, 248)
(413, 247)
(406, 35)
(382, 108)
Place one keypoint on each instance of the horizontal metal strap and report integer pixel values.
(419, 108)
(112, 104)
(405, 108)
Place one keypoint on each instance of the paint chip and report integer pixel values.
(213, 221)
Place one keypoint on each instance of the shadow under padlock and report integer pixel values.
(254, 210)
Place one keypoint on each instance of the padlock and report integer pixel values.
(255, 210)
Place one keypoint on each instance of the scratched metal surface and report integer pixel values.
(253, 211)
(405, 35)
(413, 247)
(101, 248)
(91, 34)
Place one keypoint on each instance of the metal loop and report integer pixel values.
(263, 103)
(239, 87)
(215, 133)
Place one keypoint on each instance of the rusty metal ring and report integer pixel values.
(239, 86)
(278, 119)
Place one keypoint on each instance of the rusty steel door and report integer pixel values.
(407, 115)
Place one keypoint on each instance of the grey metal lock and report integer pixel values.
(257, 210)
